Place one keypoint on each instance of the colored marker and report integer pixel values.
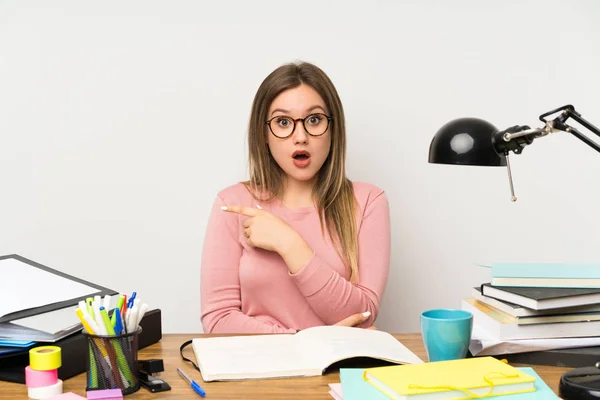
(107, 324)
(85, 321)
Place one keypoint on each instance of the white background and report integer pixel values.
(120, 121)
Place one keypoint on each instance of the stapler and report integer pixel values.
(148, 371)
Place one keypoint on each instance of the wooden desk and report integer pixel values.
(293, 388)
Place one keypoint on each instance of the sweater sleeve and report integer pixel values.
(334, 298)
(219, 285)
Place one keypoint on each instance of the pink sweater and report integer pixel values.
(250, 290)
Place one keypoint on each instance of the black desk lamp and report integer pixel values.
(473, 141)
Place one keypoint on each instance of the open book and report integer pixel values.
(306, 353)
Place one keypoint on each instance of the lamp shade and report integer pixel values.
(466, 141)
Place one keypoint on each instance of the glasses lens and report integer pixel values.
(282, 126)
(316, 124)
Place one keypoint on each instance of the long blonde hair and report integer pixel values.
(333, 192)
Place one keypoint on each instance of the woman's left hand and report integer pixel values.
(265, 230)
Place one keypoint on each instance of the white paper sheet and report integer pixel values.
(484, 344)
(23, 286)
(336, 391)
(51, 322)
(10, 331)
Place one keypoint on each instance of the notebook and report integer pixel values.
(544, 298)
(335, 391)
(454, 379)
(558, 275)
(504, 327)
(306, 353)
(354, 387)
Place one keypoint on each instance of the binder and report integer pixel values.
(100, 290)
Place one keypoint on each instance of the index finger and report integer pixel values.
(247, 211)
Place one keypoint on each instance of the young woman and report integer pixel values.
(298, 245)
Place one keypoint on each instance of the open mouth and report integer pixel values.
(301, 158)
(301, 155)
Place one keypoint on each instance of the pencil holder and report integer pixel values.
(112, 362)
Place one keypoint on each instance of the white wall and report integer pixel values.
(119, 122)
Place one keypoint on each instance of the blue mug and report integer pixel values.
(446, 333)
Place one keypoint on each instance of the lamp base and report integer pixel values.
(580, 384)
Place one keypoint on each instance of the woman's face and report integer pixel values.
(301, 154)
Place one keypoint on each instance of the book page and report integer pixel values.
(329, 344)
(246, 357)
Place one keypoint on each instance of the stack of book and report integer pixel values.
(539, 301)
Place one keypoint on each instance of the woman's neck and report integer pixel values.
(298, 194)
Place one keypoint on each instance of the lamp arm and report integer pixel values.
(517, 137)
(559, 123)
(508, 136)
(577, 117)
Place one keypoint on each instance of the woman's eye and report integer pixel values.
(283, 122)
(314, 119)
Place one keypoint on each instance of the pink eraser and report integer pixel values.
(66, 396)
(106, 394)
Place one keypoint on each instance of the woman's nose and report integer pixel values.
(300, 135)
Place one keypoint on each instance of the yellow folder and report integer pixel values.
(468, 378)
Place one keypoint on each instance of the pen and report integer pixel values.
(121, 361)
(192, 383)
(131, 319)
(141, 312)
(118, 322)
(106, 301)
(88, 306)
(82, 306)
(99, 321)
(131, 300)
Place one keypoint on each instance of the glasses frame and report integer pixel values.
(329, 119)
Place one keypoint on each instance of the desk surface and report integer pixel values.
(301, 388)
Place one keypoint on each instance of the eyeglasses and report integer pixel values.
(283, 126)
